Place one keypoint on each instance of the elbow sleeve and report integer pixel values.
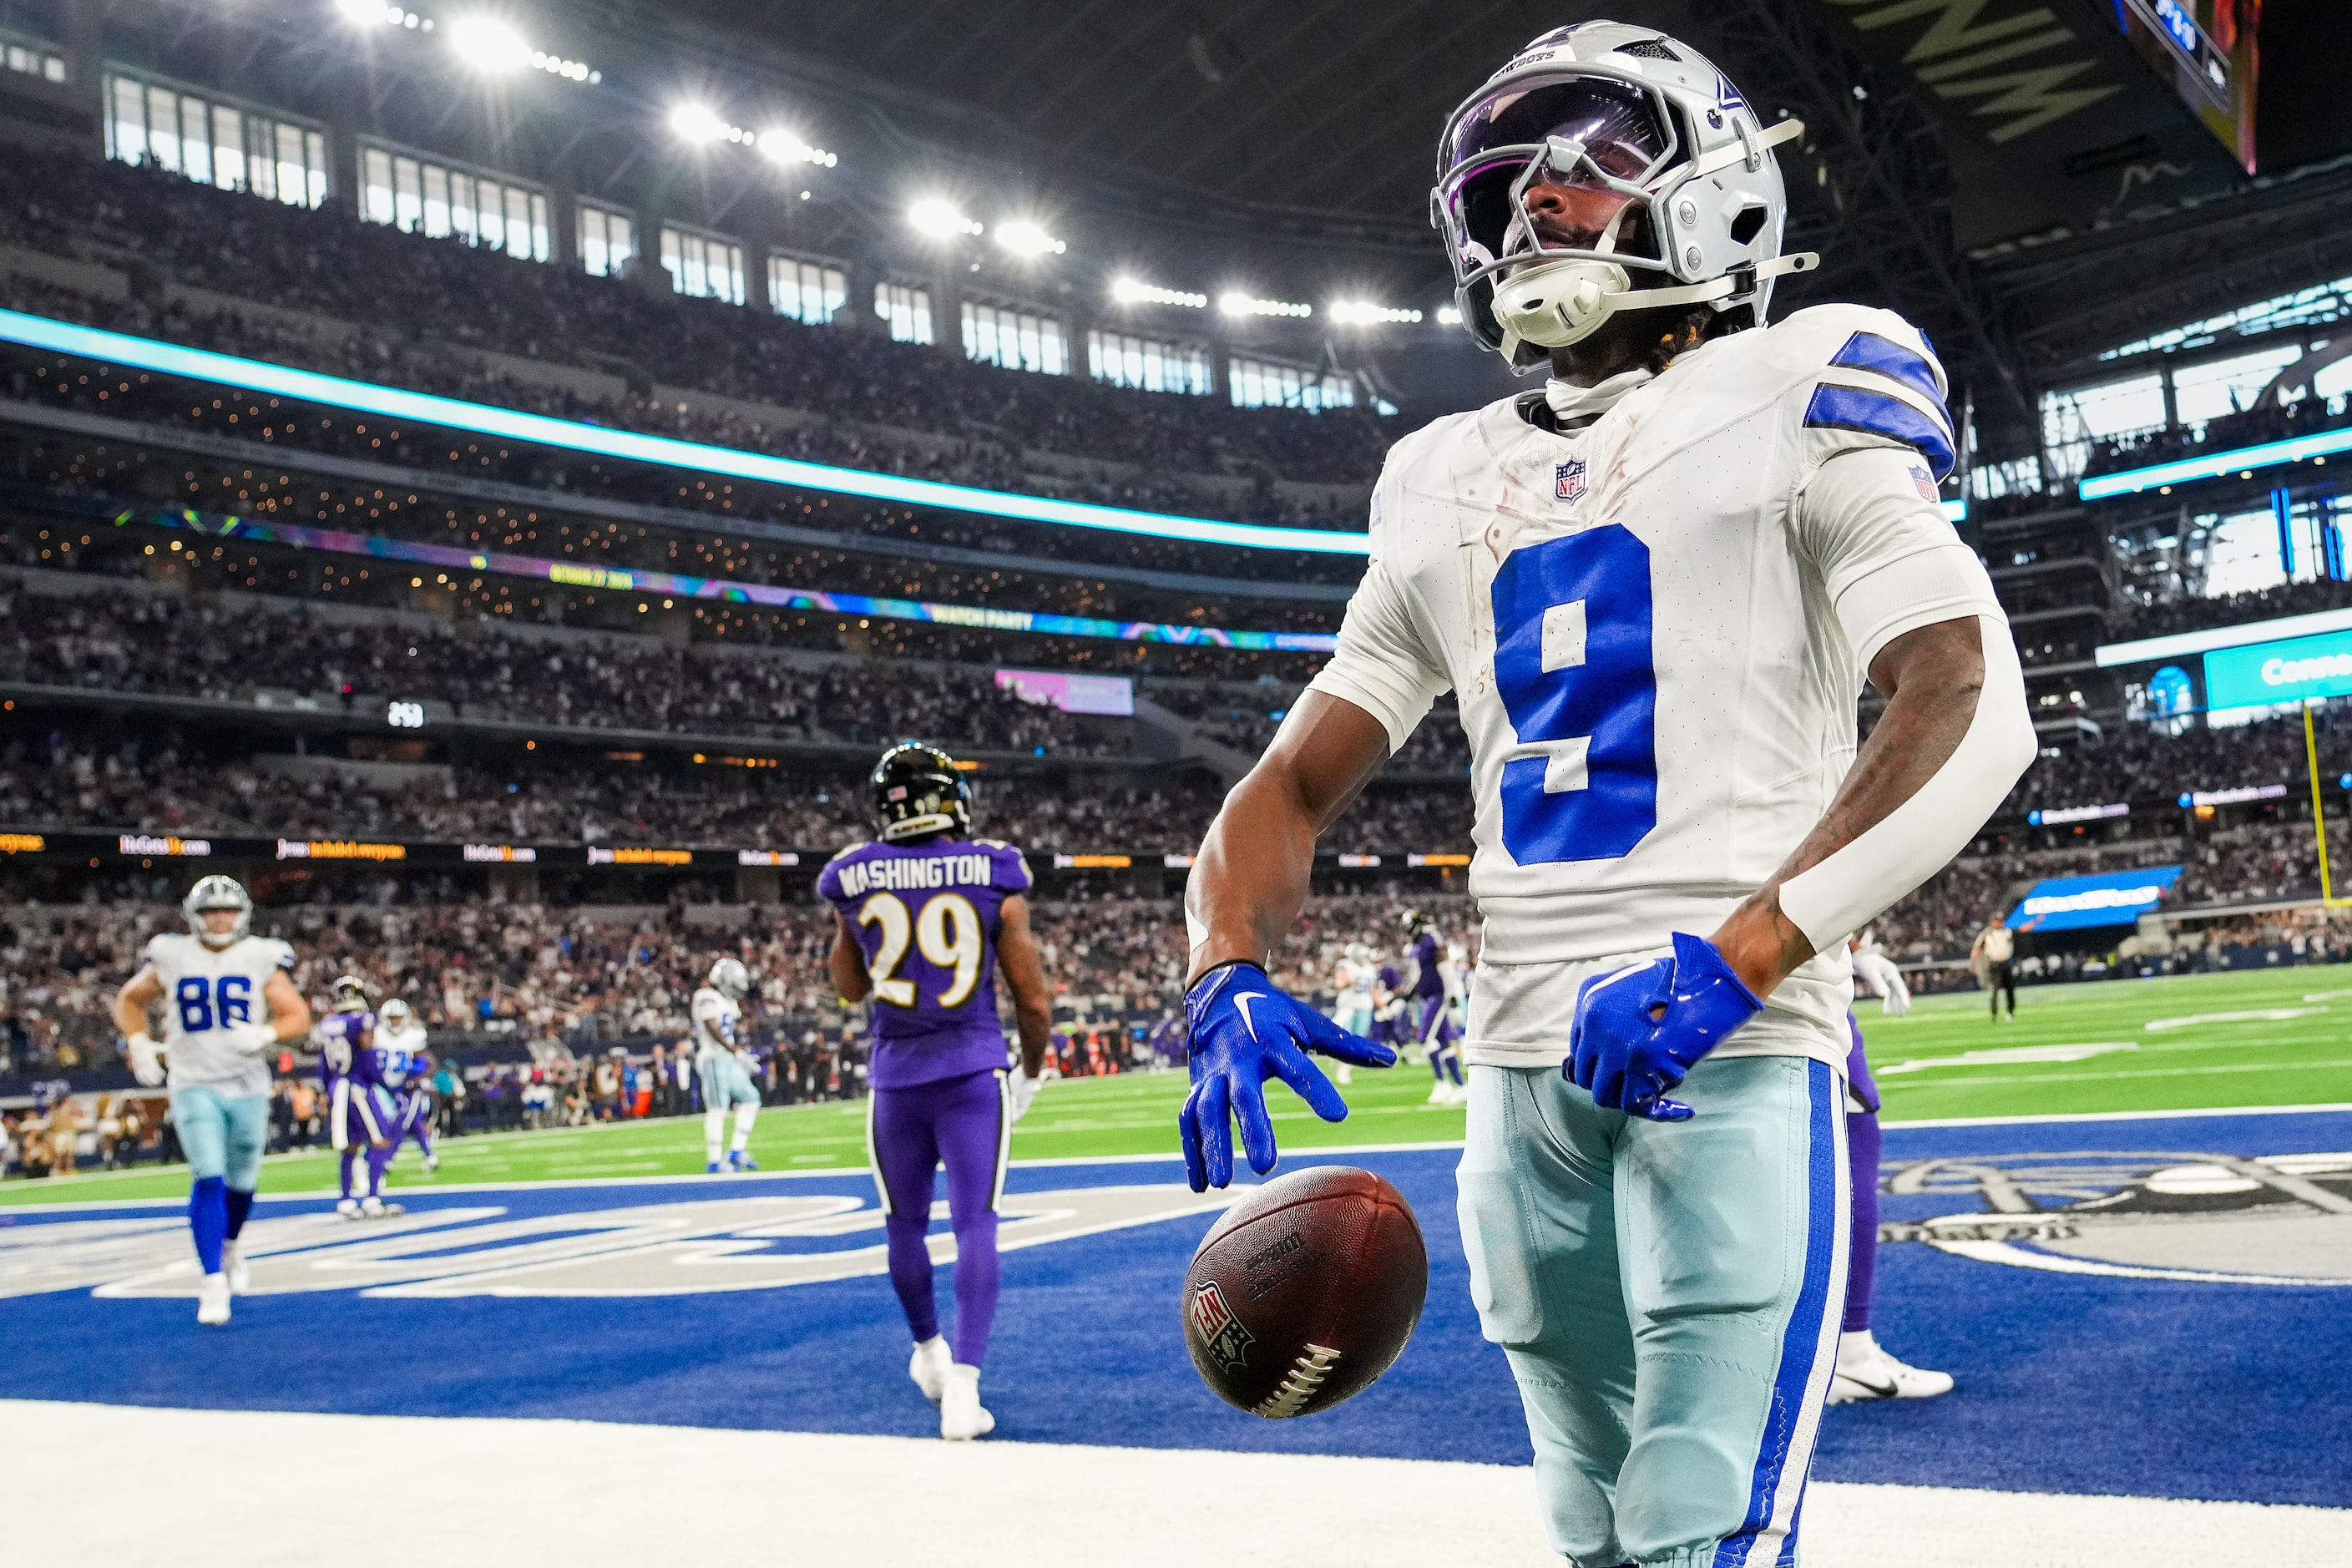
(1832, 900)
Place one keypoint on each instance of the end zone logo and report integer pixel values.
(1220, 1331)
(1567, 479)
(2201, 1218)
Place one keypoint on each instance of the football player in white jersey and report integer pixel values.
(229, 1002)
(720, 1067)
(1351, 1000)
(1656, 588)
(408, 1074)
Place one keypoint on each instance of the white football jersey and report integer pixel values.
(1658, 626)
(204, 991)
(400, 1048)
(715, 1020)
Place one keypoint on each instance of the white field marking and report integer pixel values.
(908, 1502)
(2058, 1263)
(2328, 1066)
(2320, 1110)
(2325, 995)
(2007, 1054)
(2251, 1015)
(1317, 1153)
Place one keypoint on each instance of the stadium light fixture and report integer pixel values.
(1131, 291)
(1357, 313)
(939, 220)
(2316, 447)
(696, 123)
(487, 43)
(662, 451)
(1240, 305)
(1024, 238)
(1448, 316)
(787, 147)
(365, 12)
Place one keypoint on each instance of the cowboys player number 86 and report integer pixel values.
(1657, 587)
(228, 1003)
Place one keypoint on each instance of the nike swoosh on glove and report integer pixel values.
(1240, 1031)
(1639, 1031)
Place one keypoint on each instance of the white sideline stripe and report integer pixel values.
(1318, 1152)
(211, 1483)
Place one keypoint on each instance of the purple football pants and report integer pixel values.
(1862, 1141)
(1434, 1029)
(964, 1124)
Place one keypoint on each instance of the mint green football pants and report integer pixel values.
(1668, 1295)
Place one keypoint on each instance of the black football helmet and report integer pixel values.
(917, 792)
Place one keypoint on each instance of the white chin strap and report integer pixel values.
(1563, 302)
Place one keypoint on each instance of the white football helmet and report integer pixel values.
(218, 893)
(394, 1014)
(350, 994)
(1646, 154)
(731, 979)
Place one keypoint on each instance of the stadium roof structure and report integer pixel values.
(2016, 181)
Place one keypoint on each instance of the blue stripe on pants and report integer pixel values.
(1807, 1349)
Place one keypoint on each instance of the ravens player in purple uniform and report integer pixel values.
(926, 917)
(360, 1112)
(1427, 1019)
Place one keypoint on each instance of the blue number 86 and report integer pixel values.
(1573, 664)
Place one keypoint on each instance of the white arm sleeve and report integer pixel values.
(1892, 565)
(1383, 665)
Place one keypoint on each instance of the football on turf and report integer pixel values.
(1304, 1291)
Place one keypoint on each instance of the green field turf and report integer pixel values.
(2194, 1042)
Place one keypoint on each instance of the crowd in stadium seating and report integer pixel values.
(2226, 610)
(481, 974)
(2143, 762)
(1246, 715)
(152, 786)
(224, 652)
(394, 285)
(2250, 428)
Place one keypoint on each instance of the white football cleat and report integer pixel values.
(348, 1208)
(1440, 1093)
(928, 1366)
(1865, 1370)
(212, 1301)
(961, 1416)
(235, 1269)
(432, 1164)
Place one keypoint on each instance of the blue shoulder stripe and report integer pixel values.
(1868, 350)
(1850, 408)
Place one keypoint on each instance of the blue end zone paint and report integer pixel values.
(2072, 1384)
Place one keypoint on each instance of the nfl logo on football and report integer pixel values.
(1567, 479)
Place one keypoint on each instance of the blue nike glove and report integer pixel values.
(1241, 1031)
(1639, 1031)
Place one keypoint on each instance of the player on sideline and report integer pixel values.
(1351, 1003)
(1427, 1016)
(361, 1114)
(1657, 587)
(925, 919)
(1865, 1369)
(1876, 974)
(210, 983)
(719, 1067)
(408, 1073)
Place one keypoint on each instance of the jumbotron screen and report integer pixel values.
(2207, 49)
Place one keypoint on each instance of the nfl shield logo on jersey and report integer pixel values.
(1567, 479)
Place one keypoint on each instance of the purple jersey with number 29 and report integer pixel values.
(926, 916)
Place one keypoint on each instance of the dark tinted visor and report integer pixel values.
(1618, 124)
